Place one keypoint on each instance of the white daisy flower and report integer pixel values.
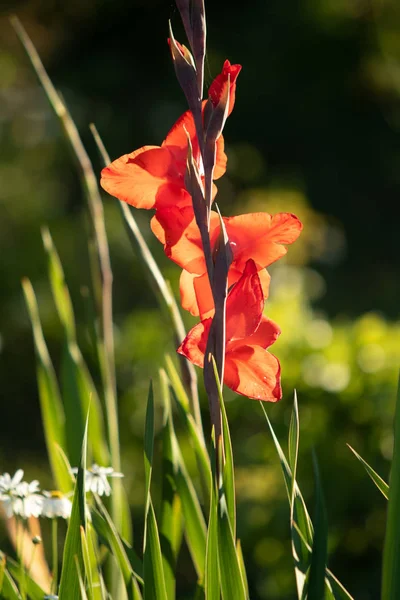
(55, 505)
(20, 498)
(96, 479)
(9, 484)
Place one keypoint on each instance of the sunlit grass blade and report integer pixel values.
(2, 569)
(378, 481)
(195, 435)
(171, 526)
(154, 583)
(93, 562)
(131, 567)
(339, 591)
(159, 285)
(69, 582)
(53, 417)
(299, 550)
(9, 590)
(228, 473)
(78, 388)
(195, 528)
(148, 448)
(34, 591)
(83, 595)
(242, 566)
(316, 577)
(391, 553)
(211, 580)
(87, 564)
(100, 267)
(232, 584)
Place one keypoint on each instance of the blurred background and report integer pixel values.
(315, 131)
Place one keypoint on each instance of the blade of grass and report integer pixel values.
(391, 552)
(86, 563)
(148, 451)
(316, 578)
(211, 578)
(378, 481)
(9, 590)
(83, 595)
(299, 552)
(69, 582)
(52, 411)
(34, 591)
(103, 268)
(131, 567)
(228, 473)
(159, 286)
(171, 527)
(154, 582)
(78, 387)
(195, 436)
(232, 584)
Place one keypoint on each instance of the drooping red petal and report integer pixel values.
(169, 225)
(244, 305)
(260, 236)
(253, 372)
(194, 344)
(217, 86)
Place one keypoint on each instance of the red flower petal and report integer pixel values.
(260, 236)
(253, 372)
(194, 344)
(264, 336)
(244, 305)
(217, 86)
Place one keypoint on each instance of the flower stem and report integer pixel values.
(54, 554)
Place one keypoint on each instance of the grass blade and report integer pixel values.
(69, 582)
(316, 579)
(78, 388)
(232, 585)
(52, 411)
(378, 481)
(391, 553)
(9, 590)
(87, 564)
(34, 591)
(211, 581)
(101, 269)
(148, 448)
(228, 473)
(154, 583)
(131, 567)
(171, 527)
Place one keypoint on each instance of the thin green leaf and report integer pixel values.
(154, 582)
(391, 553)
(9, 590)
(87, 564)
(242, 566)
(148, 447)
(52, 411)
(211, 581)
(33, 590)
(228, 473)
(195, 435)
(100, 270)
(2, 569)
(79, 391)
(69, 582)
(171, 527)
(232, 584)
(316, 578)
(378, 481)
(131, 567)
(82, 590)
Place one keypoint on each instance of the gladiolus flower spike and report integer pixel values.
(176, 180)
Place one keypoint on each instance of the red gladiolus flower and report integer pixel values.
(154, 176)
(250, 369)
(259, 236)
(216, 88)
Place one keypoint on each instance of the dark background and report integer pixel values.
(315, 131)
